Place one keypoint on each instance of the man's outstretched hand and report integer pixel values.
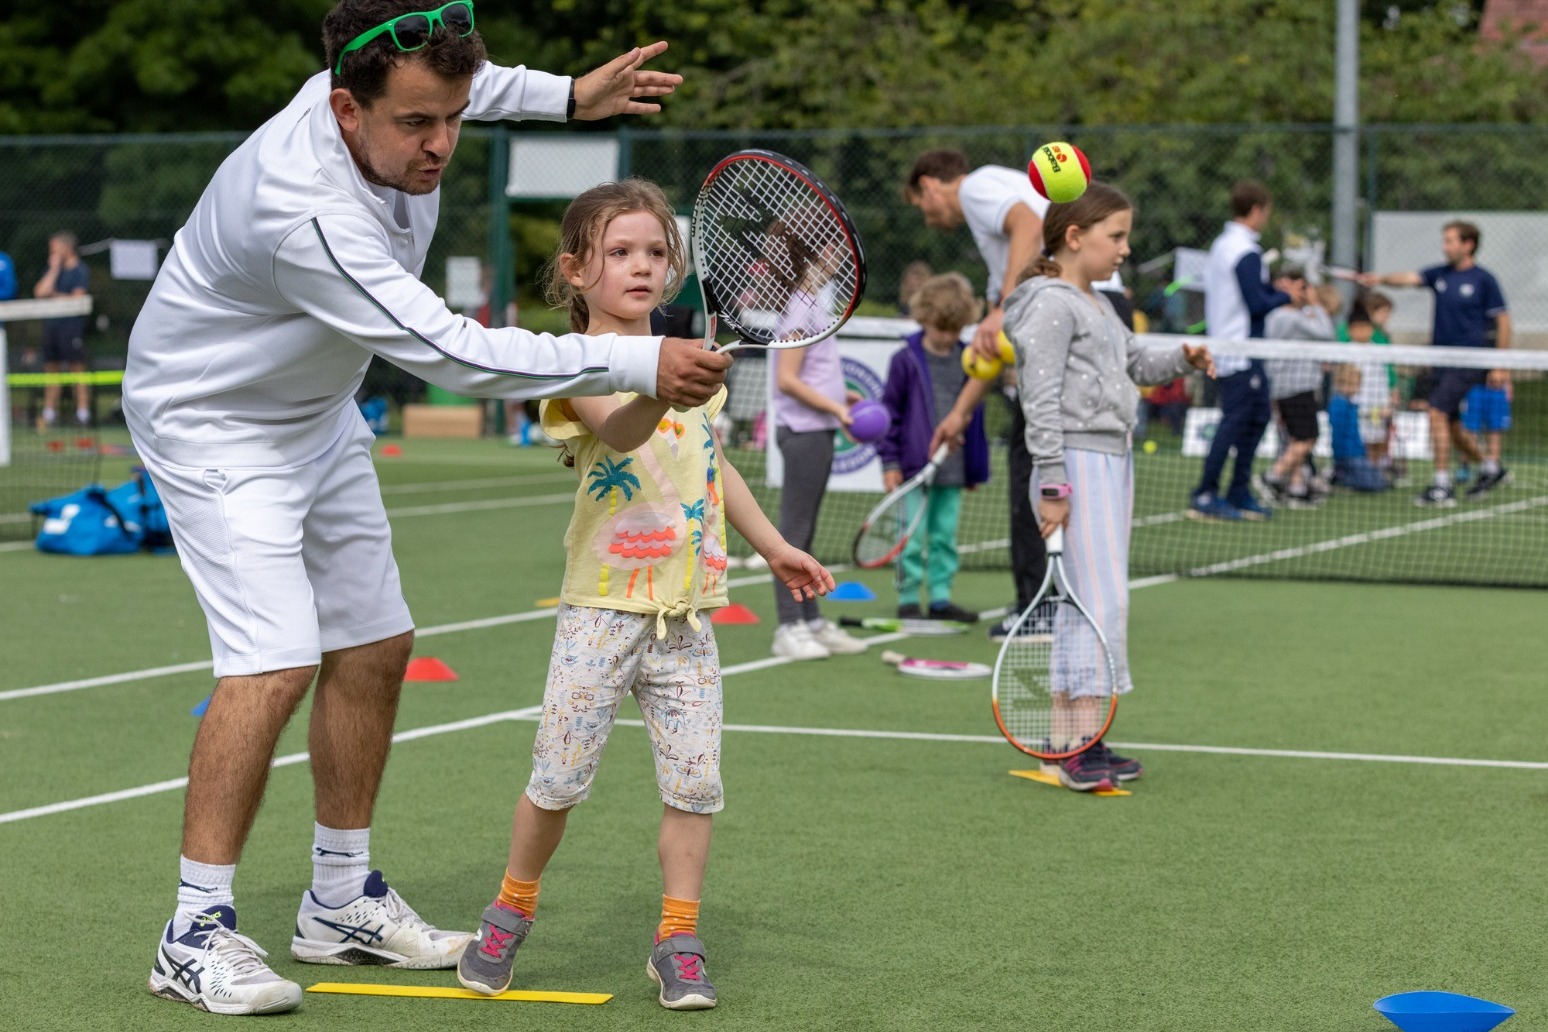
(687, 375)
(615, 88)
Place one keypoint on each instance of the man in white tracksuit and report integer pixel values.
(301, 262)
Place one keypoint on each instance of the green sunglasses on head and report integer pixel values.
(412, 31)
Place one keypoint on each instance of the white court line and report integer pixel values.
(279, 761)
(447, 508)
(528, 713)
(1369, 537)
(1219, 750)
(438, 486)
(1300, 551)
(419, 632)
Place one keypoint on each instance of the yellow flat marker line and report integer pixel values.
(445, 992)
(1043, 777)
(544, 603)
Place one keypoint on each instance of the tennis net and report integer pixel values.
(39, 460)
(1368, 529)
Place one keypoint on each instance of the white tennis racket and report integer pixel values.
(935, 669)
(887, 528)
(1053, 681)
(777, 257)
(913, 626)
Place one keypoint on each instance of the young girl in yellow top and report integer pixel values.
(646, 557)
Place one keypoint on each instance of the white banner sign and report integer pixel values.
(1410, 435)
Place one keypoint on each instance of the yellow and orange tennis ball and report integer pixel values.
(1059, 171)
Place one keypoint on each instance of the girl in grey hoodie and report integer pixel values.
(1077, 365)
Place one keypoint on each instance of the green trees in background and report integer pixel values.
(75, 66)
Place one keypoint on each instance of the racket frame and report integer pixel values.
(923, 479)
(713, 311)
(1055, 586)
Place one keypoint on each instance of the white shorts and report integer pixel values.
(288, 562)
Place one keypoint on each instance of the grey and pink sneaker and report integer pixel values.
(1124, 768)
(677, 966)
(1087, 770)
(486, 963)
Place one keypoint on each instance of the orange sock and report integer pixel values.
(519, 895)
(678, 915)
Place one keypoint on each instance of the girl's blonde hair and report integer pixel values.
(1097, 203)
(580, 233)
(944, 302)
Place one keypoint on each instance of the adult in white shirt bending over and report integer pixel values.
(300, 262)
(1005, 214)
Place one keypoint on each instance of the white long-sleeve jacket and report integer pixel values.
(293, 271)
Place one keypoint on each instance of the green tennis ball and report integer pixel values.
(1059, 171)
(1150, 447)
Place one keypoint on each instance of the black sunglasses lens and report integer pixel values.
(412, 32)
(458, 18)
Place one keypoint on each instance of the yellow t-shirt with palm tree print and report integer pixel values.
(649, 529)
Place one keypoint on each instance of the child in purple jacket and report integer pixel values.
(923, 382)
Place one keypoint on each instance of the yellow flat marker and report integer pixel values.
(1043, 777)
(446, 992)
(544, 603)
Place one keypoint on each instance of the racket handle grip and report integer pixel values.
(892, 658)
(1054, 543)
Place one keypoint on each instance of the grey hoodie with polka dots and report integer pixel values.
(1076, 367)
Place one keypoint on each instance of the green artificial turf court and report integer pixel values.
(875, 868)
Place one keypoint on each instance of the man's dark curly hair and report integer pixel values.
(365, 70)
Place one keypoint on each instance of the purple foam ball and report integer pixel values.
(871, 420)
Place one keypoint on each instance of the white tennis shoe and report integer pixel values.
(374, 928)
(796, 641)
(215, 969)
(835, 639)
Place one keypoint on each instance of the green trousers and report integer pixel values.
(930, 557)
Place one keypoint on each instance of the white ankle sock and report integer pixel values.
(1488, 467)
(200, 887)
(1443, 478)
(341, 862)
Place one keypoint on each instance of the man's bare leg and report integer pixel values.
(353, 711)
(231, 756)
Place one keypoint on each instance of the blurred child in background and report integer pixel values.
(1293, 384)
(924, 381)
(1351, 466)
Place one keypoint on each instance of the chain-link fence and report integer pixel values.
(143, 187)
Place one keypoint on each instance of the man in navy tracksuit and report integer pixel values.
(1237, 297)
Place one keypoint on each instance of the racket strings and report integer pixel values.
(889, 527)
(879, 539)
(1054, 687)
(769, 243)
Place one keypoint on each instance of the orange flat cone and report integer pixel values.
(428, 668)
(735, 613)
(392, 451)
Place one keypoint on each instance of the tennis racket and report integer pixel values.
(1339, 272)
(778, 259)
(916, 626)
(892, 522)
(935, 669)
(1053, 681)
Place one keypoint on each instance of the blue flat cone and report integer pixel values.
(852, 591)
(1441, 1012)
(198, 710)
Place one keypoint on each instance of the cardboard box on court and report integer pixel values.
(443, 420)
